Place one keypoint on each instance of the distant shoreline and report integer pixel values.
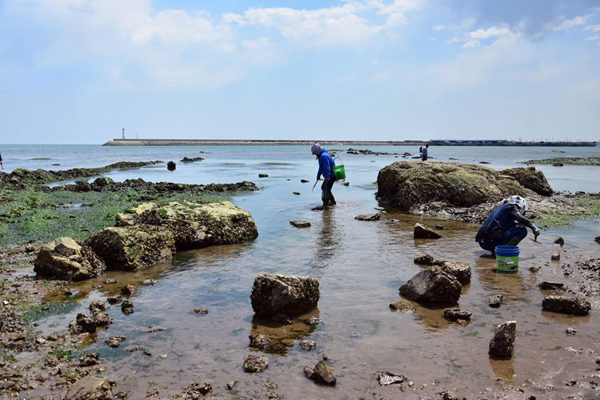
(258, 142)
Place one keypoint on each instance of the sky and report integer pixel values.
(78, 71)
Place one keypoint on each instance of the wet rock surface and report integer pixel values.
(551, 285)
(171, 166)
(427, 259)
(495, 301)
(133, 248)
(503, 343)
(321, 374)
(64, 258)
(254, 363)
(368, 217)
(260, 341)
(191, 159)
(90, 388)
(566, 305)
(566, 161)
(308, 345)
(283, 294)
(432, 286)
(300, 224)
(422, 232)
(456, 314)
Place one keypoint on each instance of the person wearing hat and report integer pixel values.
(500, 227)
(326, 165)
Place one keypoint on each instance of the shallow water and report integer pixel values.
(360, 267)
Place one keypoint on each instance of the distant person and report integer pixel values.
(500, 228)
(420, 151)
(1, 165)
(424, 152)
(326, 165)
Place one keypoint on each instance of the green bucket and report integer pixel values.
(507, 259)
(339, 171)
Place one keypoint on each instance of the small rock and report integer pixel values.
(551, 285)
(171, 166)
(304, 180)
(197, 390)
(29, 248)
(153, 329)
(114, 299)
(263, 175)
(503, 343)
(115, 341)
(560, 241)
(89, 360)
(432, 285)
(127, 307)
(402, 305)
(101, 318)
(534, 269)
(260, 341)
(110, 281)
(296, 193)
(308, 345)
(312, 321)
(597, 239)
(566, 305)
(422, 232)
(90, 387)
(571, 382)
(230, 385)
(440, 227)
(461, 271)
(321, 374)
(86, 323)
(202, 311)
(97, 305)
(346, 183)
(369, 217)
(496, 301)
(254, 363)
(300, 224)
(456, 314)
(571, 331)
(149, 282)
(387, 378)
(128, 290)
(555, 256)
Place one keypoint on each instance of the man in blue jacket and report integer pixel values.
(326, 165)
(500, 228)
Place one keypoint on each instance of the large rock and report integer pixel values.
(283, 294)
(134, 247)
(423, 232)
(406, 185)
(321, 373)
(531, 179)
(90, 388)
(195, 225)
(566, 305)
(64, 258)
(503, 343)
(432, 285)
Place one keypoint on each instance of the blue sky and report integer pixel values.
(77, 71)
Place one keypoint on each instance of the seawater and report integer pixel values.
(359, 265)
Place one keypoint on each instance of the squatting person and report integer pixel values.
(326, 165)
(500, 227)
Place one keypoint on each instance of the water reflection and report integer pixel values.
(281, 335)
(511, 286)
(503, 369)
(330, 236)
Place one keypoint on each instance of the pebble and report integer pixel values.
(128, 290)
(571, 331)
(202, 311)
(555, 256)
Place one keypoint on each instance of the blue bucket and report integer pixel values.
(507, 259)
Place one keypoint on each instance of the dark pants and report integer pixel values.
(511, 237)
(326, 195)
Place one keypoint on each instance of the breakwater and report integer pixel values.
(267, 142)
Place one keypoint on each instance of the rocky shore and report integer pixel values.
(469, 192)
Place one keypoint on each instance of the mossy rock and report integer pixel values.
(66, 259)
(195, 225)
(133, 248)
(406, 185)
(531, 179)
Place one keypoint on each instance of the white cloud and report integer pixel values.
(592, 38)
(593, 28)
(566, 24)
(471, 44)
(494, 31)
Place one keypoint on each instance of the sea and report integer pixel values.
(359, 265)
